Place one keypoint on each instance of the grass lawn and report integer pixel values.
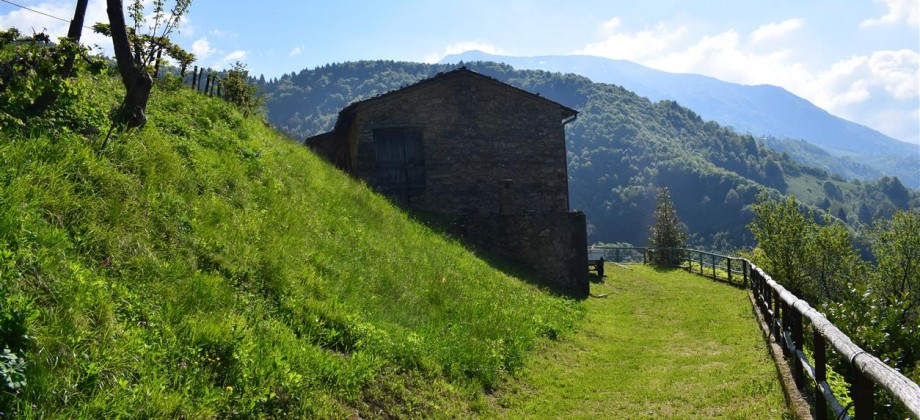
(662, 343)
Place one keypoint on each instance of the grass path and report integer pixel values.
(661, 344)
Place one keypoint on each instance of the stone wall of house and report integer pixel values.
(495, 159)
(554, 245)
(489, 149)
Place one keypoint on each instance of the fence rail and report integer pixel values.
(708, 264)
(786, 314)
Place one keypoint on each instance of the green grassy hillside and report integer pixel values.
(207, 266)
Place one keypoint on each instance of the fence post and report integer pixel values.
(713, 257)
(745, 268)
(728, 264)
(777, 320)
(616, 253)
(797, 338)
(820, 375)
(767, 302)
(863, 395)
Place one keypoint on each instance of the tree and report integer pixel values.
(896, 246)
(830, 261)
(668, 232)
(134, 52)
(237, 90)
(781, 230)
(774, 176)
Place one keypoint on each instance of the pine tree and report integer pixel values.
(668, 232)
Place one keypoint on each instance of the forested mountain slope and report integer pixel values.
(621, 147)
(763, 110)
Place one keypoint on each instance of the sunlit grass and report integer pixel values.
(206, 266)
(660, 344)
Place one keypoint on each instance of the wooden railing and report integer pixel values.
(786, 315)
(708, 264)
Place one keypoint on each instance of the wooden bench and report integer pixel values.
(596, 265)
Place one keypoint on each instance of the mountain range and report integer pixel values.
(621, 148)
(761, 110)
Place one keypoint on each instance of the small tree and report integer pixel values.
(896, 246)
(237, 90)
(782, 231)
(830, 262)
(134, 52)
(668, 232)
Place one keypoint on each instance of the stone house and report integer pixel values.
(488, 155)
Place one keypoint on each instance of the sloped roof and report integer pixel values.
(346, 114)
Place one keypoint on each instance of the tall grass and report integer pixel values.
(206, 266)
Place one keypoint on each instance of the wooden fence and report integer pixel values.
(789, 318)
(714, 266)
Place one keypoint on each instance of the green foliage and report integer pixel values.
(668, 231)
(782, 231)
(237, 90)
(896, 246)
(208, 267)
(874, 304)
(148, 43)
(30, 67)
(831, 262)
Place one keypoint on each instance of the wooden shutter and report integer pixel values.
(400, 162)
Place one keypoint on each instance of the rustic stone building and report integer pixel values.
(488, 154)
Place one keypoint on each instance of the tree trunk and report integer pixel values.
(49, 97)
(137, 81)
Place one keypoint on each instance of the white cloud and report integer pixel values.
(636, 46)
(202, 48)
(296, 51)
(28, 21)
(897, 71)
(221, 33)
(235, 56)
(459, 47)
(863, 88)
(609, 26)
(907, 11)
(185, 26)
(776, 30)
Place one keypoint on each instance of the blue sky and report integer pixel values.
(859, 59)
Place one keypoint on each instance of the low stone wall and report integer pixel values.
(553, 245)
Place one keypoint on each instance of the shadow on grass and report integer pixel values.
(445, 225)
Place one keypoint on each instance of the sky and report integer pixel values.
(858, 59)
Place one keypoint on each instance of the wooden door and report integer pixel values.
(400, 162)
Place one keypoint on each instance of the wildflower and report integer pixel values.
(229, 388)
